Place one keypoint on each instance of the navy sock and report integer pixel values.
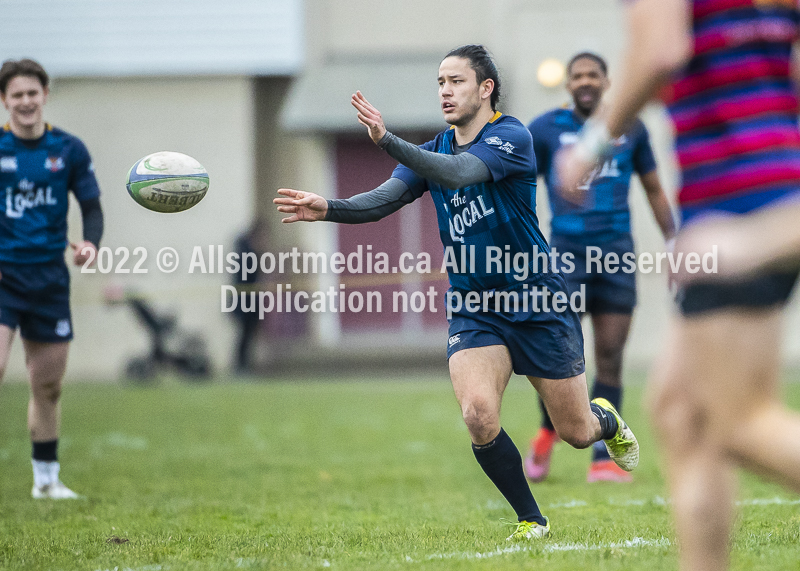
(45, 451)
(501, 461)
(614, 396)
(608, 423)
(546, 422)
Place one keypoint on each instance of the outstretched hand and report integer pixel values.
(573, 172)
(369, 117)
(303, 206)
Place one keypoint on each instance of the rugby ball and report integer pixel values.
(167, 182)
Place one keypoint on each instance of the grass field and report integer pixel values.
(339, 475)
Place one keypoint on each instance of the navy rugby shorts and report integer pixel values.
(546, 344)
(35, 298)
(606, 292)
(762, 292)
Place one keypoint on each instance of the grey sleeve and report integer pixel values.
(451, 171)
(370, 206)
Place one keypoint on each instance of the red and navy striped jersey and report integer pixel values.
(735, 107)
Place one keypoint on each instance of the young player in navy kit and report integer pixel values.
(481, 175)
(601, 221)
(39, 165)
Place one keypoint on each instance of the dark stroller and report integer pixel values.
(172, 349)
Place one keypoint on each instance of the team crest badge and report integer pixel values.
(54, 164)
(63, 328)
(8, 164)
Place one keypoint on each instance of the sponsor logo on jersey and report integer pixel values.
(471, 212)
(609, 169)
(497, 141)
(8, 164)
(507, 147)
(54, 164)
(567, 139)
(28, 197)
(454, 339)
(63, 328)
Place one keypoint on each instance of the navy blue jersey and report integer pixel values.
(605, 214)
(500, 213)
(35, 179)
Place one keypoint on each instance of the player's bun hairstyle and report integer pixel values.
(27, 67)
(588, 55)
(481, 61)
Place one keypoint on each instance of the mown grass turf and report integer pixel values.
(341, 475)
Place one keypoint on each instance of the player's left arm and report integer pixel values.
(451, 171)
(644, 163)
(662, 211)
(93, 224)
(83, 184)
(659, 44)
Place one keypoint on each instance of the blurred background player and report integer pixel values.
(734, 104)
(603, 220)
(481, 174)
(252, 241)
(39, 165)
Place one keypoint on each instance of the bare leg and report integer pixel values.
(479, 379)
(715, 405)
(567, 402)
(701, 482)
(6, 338)
(610, 335)
(480, 376)
(46, 364)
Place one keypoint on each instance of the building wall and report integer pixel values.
(122, 120)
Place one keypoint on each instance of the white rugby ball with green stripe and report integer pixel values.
(167, 182)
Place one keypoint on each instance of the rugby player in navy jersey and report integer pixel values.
(481, 174)
(601, 221)
(39, 166)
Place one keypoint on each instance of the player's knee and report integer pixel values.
(578, 436)
(478, 415)
(47, 391)
(676, 417)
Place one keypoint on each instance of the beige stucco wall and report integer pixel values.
(122, 120)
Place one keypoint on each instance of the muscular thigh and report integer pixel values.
(6, 337)
(719, 364)
(740, 351)
(481, 373)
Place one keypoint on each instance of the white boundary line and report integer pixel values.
(636, 542)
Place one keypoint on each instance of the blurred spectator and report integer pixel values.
(253, 240)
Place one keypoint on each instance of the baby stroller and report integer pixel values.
(172, 348)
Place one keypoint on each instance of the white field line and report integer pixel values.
(776, 501)
(660, 501)
(145, 568)
(636, 542)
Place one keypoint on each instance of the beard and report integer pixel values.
(470, 110)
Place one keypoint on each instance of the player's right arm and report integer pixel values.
(370, 206)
